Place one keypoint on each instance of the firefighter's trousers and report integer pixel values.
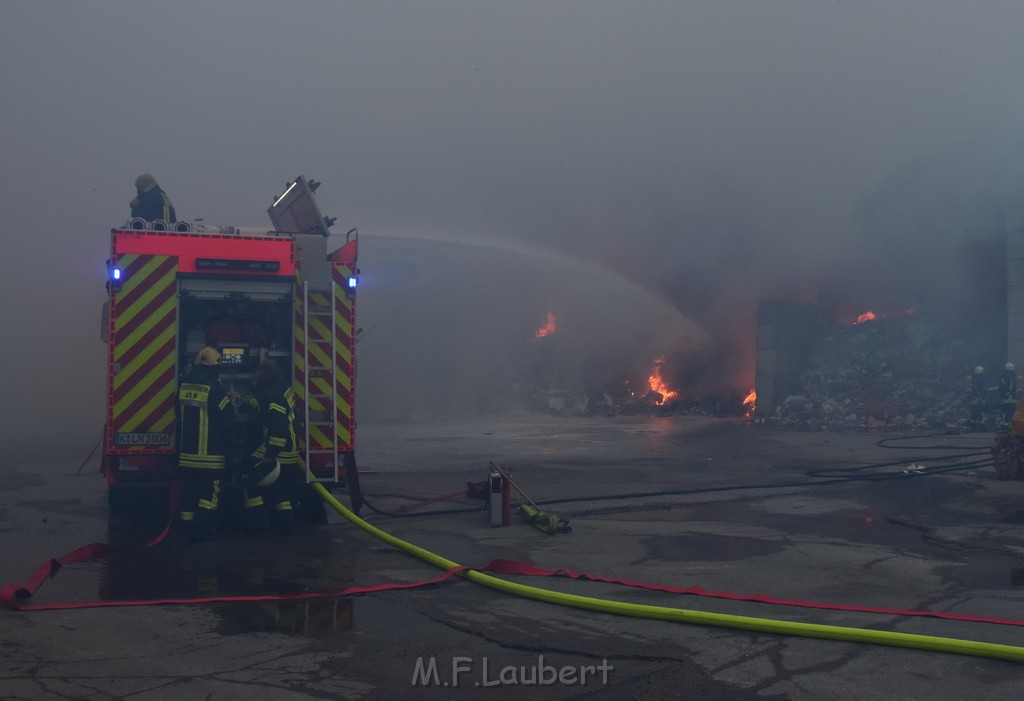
(271, 503)
(200, 496)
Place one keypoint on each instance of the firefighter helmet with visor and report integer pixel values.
(208, 356)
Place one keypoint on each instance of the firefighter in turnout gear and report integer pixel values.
(151, 202)
(275, 460)
(1008, 394)
(207, 426)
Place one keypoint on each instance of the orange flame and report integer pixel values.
(871, 316)
(657, 383)
(750, 402)
(549, 326)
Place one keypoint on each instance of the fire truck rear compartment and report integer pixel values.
(247, 320)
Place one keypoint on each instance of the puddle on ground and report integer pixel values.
(314, 618)
(158, 573)
(322, 618)
(314, 561)
(176, 571)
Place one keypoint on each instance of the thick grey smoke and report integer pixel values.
(710, 153)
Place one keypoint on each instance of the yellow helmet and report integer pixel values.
(208, 356)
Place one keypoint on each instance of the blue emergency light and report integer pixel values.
(115, 277)
(353, 282)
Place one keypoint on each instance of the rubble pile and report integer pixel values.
(618, 403)
(895, 372)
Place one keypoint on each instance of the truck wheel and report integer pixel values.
(139, 505)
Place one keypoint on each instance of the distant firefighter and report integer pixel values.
(1008, 383)
(151, 202)
(1008, 393)
(978, 383)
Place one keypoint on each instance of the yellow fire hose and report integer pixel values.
(664, 613)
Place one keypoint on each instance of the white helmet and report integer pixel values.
(271, 476)
(1009, 367)
(978, 370)
(263, 474)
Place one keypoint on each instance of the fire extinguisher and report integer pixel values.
(498, 493)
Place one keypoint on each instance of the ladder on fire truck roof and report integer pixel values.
(320, 397)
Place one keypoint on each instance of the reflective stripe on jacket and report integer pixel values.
(206, 420)
(154, 204)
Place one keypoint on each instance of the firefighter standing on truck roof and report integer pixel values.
(266, 483)
(207, 422)
(151, 202)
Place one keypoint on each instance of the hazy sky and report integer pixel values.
(715, 152)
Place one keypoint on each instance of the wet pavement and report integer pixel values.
(687, 501)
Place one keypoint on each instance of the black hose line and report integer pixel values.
(822, 477)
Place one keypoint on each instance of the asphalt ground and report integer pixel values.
(727, 505)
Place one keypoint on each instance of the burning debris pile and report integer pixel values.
(619, 400)
(562, 377)
(884, 372)
(877, 372)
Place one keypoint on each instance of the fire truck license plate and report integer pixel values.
(132, 439)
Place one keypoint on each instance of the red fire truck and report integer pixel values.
(287, 293)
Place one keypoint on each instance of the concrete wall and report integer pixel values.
(785, 334)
